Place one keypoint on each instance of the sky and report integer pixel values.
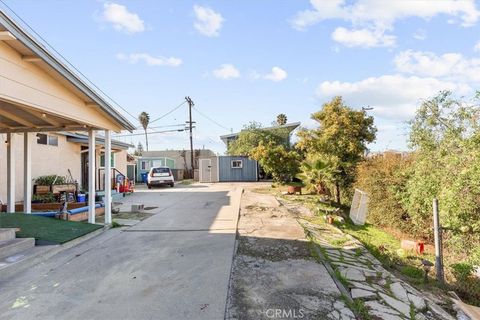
(243, 61)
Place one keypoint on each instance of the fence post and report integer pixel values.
(437, 233)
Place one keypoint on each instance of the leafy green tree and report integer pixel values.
(277, 160)
(252, 136)
(341, 139)
(144, 119)
(270, 147)
(445, 136)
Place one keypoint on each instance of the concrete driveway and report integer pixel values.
(173, 265)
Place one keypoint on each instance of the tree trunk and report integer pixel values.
(146, 139)
(337, 193)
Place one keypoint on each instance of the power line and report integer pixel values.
(208, 118)
(152, 132)
(166, 114)
(166, 126)
(67, 61)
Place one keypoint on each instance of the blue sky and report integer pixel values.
(243, 61)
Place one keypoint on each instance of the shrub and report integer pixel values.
(44, 198)
(49, 180)
(384, 179)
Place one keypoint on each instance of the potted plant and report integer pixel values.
(52, 183)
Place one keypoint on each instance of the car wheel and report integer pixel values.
(149, 186)
(171, 185)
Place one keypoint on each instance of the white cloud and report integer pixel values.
(420, 34)
(362, 38)
(149, 59)
(383, 13)
(122, 19)
(226, 71)
(476, 48)
(277, 74)
(371, 19)
(450, 66)
(391, 96)
(208, 22)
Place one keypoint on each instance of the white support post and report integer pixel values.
(27, 173)
(91, 176)
(10, 174)
(108, 178)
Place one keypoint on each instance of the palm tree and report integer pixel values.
(282, 119)
(144, 119)
(317, 174)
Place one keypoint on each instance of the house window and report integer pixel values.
(237, 164)
(144, 165)
(53, 141)
(112, 160)
(46, 139)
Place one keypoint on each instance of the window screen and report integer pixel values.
(53, 140)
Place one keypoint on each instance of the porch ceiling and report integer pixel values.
(17, 118)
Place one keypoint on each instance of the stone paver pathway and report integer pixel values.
(384, 295)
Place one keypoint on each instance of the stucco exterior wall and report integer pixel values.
(46, 160)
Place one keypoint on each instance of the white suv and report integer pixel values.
(160, 176)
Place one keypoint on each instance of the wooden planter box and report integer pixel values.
(84, 215)
(55, 189)
(41, 189)
(46, 206)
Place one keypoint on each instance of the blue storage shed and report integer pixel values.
(237, 168)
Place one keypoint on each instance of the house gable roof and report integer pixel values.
(28, 46)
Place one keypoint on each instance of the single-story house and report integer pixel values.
(227, 169)
(174, 159)
(39, 94)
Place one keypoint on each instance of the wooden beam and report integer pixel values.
(14, 117)
(31, 58)
(43, 116)
(6, 36)
(91, 104)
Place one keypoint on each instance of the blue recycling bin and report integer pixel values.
(144, 177)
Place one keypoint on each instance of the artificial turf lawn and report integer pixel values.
(45, 229)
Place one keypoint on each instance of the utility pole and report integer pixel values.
(437, 232)
(190, 105)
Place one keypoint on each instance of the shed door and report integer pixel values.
(205, 170)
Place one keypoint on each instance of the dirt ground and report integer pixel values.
(274, 275)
